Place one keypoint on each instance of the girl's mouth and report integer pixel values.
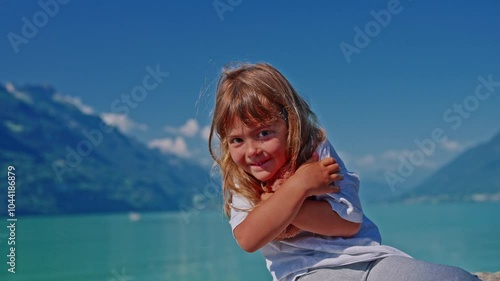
(258, 164)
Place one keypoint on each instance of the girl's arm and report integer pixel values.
(271, 217)
(326, 215)
(318, 217)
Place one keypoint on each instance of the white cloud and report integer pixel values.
(393, 154)
(171, 130)
(17, 94)
(122, 122)
(387, 160)
(366, 160)
(168, 145)
(205, 133)
(453, 146)
(76, 102)
(373, 166)
(392, 158)
(10, 87)
(190, 128)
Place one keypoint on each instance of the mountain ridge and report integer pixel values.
(71, 162)
(473, 175)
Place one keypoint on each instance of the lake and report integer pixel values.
(200, 246)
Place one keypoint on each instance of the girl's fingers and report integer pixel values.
(334, 189)
(328, 161)
(331, 164)
(335, 167)
(336, 177)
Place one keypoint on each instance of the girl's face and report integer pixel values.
(260, 150)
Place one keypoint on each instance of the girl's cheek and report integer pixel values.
(238, 158)
(234, 156)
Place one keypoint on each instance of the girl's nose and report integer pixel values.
(253, 149)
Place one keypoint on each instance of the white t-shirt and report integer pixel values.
(290, 258)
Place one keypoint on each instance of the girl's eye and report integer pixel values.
(236, 140)
(264, 133)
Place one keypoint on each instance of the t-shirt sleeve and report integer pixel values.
(346, 202)
(239, 210)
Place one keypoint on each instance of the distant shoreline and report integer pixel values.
(489, 276)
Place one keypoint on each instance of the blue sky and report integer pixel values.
(409, 76)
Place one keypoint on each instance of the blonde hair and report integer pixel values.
(259, 93)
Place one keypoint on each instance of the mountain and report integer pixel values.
(472, 176)
(67, 161)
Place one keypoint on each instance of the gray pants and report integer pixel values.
(393, 268)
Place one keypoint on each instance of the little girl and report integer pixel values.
(289, 194)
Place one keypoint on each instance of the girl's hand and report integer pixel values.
(317, 176)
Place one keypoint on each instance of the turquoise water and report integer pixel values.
(170, 246)
(465, 235)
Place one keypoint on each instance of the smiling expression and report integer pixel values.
(260, 150)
